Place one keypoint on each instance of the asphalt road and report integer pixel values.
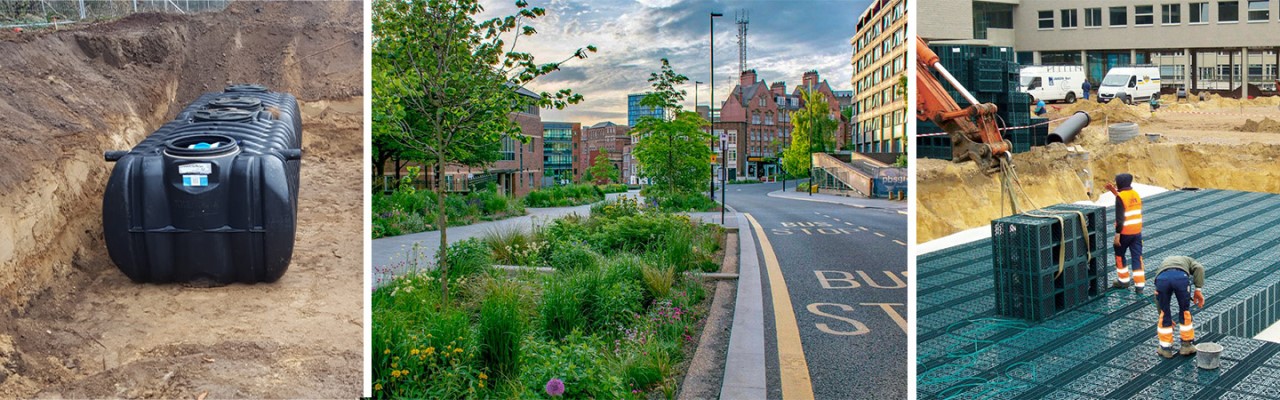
(845, 271)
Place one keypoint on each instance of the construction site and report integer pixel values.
(75, 326)
(1015, 245)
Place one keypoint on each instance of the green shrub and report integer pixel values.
(580, 361)
(613, 188)
(635, 233)
(564, 196)
(571, 256)
(687, 202)
(501, 328)
(468, 257)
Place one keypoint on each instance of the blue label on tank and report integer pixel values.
(195, 180)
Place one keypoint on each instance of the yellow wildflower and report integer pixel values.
(377, 386)
(457, 350)
(482, 384)
(395, 373)
(431, 350)
(387, 351)
(404, 372)
(483, 376)
(413, 352)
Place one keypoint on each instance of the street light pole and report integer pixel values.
(711, 109)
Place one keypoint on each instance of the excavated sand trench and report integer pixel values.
(73, 325)
(1219, 143)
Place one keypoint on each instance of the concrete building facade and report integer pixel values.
(557, 151)
(635, 111)
(879, 58)
(1200, 45)
(604, 136)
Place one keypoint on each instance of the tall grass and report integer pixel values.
(501, 328)
(658, 280)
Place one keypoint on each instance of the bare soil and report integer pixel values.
(74, 326)
(1207, 144)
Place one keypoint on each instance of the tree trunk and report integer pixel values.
(442, 223)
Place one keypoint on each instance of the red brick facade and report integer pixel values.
(767, 110)
(614, 138)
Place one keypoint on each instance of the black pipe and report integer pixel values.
(114, 155)
(1066, 132)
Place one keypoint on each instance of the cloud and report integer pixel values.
(785, 38)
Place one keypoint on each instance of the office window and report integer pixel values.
(1068, 18)
(1092, 17)
(1046, 19)
(1119, 16)
(1143, 15)
(1199, 13)
(1228, 11)
(1259, 10)
(1171, 14)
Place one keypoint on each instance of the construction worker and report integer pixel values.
(1128, 233)
(1084, 88)
(1040, 107)
(1174, 278)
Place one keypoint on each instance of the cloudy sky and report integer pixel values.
(784, 39)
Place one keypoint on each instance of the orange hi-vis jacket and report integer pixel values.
(1129, 213)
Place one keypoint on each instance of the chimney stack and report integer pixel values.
(748, 78)
(810, 79)
(778, 88)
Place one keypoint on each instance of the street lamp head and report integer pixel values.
(714, 14)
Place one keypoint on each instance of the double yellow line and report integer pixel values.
(792, 367)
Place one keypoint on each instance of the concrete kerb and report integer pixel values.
(705, 372)
(746, 352)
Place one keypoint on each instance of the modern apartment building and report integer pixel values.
(879, 59)
(557, 151)
(635, 111)
(1201, 45)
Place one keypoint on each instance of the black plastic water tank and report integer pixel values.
(210, 196)
(281, 106)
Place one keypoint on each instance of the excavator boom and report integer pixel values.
(973, 130)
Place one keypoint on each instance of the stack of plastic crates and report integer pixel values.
(1046, 262)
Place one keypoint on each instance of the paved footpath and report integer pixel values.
(859, 202)
(397, 254)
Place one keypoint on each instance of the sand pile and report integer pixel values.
(1265, 125)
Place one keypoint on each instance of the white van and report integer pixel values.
(1052, 82)
(1130, 84)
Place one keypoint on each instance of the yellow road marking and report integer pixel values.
(793, 369)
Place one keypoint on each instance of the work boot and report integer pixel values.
(1187, 349)
(1166, 352)
(1120, 285)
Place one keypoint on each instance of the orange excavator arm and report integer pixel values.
(973, 131)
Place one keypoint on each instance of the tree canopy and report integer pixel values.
(673, 151)
(813, 121)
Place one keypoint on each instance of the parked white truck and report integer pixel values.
(1052, 82)
(1130, 84)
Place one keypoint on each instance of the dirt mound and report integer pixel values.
(1113, 111)
(953, 197)
(1265, 125)
(67, 96)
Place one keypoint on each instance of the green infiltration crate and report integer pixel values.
(1030, 283)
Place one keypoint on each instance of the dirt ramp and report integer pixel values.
(1265, 125)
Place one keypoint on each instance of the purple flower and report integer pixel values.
(555, 387)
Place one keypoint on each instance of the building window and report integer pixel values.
(762, 102)
(1143, 16)
(1046, 19)
(1199, 13)
(1259, 10)
(755, 118)
(1119, 16)
(1228, 12)
(1068, 18)
(1092, 17)
(1171, 14)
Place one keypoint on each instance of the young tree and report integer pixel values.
(444, 84)
(813, 121)
(674, 154)
(602, 171)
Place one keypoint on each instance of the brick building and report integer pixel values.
(764, 112)
(611, 137)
